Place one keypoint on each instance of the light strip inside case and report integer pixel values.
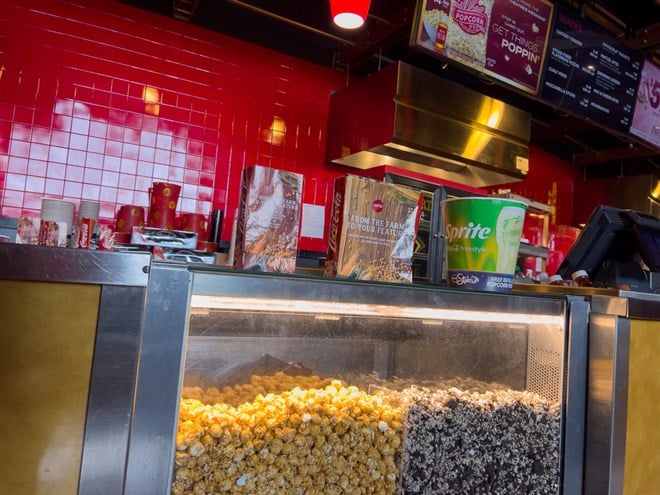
(353, 309)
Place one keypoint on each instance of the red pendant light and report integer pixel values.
(349, 14)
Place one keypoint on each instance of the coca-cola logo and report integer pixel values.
(377, 206)
(334, 221)
(470, 15)
(84, 235)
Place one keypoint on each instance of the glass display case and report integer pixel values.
(292, 384)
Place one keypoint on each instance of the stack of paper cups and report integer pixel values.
(57, 210)
(164, 197)
(88, 217)
(193, 222)
(89, 209)
(127, 217)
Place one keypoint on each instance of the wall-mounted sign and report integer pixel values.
(646, 114)
(504, 39)
(589, 73)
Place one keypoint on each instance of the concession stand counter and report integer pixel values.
(199, 379)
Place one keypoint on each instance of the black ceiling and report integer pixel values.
(304, 29)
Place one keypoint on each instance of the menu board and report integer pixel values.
(590, 73)
(505, 39)
(646, 114)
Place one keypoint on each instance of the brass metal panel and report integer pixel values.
(434, 94)
(642, 462)
(47, 334)
(424, 123)
(637, 305)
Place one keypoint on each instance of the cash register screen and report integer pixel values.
(647, 231)
(614, 234)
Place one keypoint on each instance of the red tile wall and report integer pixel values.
(74, 123)
(551, 181)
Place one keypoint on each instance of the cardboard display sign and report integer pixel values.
(372, 230)
(268, 220)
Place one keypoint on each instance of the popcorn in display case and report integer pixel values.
(297, 385)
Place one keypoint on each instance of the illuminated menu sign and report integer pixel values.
(589, 73)
(646, 114)
(505, 39)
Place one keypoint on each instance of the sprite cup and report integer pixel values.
(482, 237)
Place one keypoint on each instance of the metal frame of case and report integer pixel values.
(123, 279)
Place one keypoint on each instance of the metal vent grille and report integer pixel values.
(544, 373)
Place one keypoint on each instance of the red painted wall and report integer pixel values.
(74, 123)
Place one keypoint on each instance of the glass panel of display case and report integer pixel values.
(369, 390)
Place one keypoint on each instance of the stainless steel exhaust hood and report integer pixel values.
(406, 117)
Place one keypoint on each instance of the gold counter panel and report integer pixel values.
(47, 335)
(642, 465)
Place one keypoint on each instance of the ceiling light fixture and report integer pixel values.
(349, 14)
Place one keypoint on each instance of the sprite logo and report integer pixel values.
(471, 231)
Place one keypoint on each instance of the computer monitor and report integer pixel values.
(647, 230)
(612, 246)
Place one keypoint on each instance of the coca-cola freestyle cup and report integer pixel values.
(482, 237)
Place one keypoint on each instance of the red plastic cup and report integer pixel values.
(164, 194)
(162, 218)
(162, 212)
(127, 217)
(193, 222)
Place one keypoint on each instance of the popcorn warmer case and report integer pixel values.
(192, 379)
(291, 384)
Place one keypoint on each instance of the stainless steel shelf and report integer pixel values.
(531, 250)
